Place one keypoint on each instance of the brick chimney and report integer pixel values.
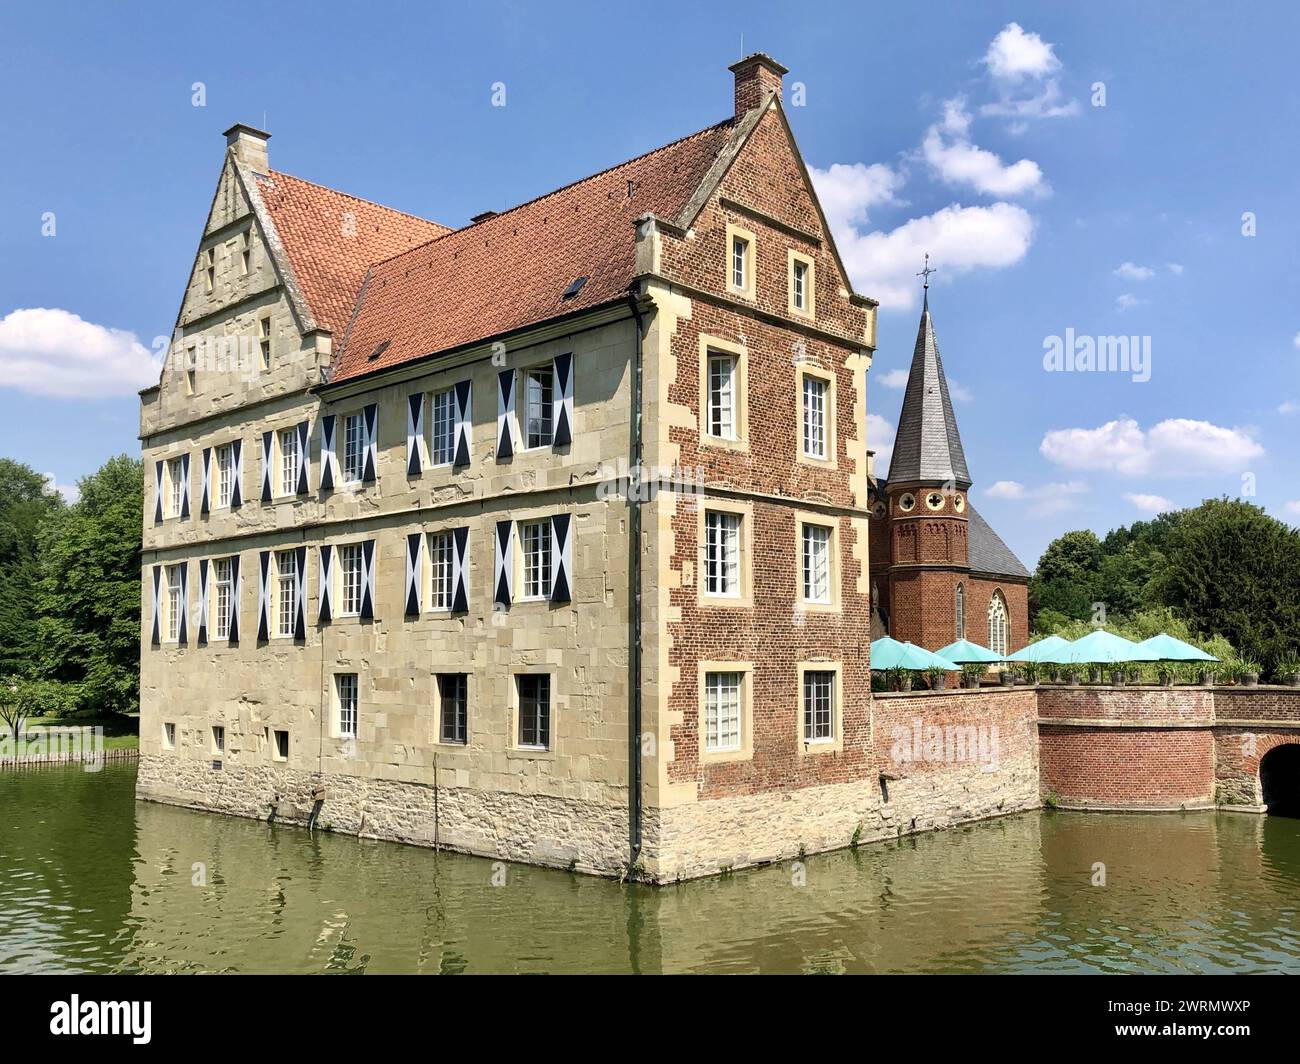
(756, 76)
(249, 145)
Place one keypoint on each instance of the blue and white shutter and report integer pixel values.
(236, 489)
(370, 419)
(561, 557)
(414, 434)
(460, 450)
(156, 637)
(304, 457)
(414, 572)
(562, 400)
(235, 586)
(263, 596)
(158, 493)
(268, 449)
(368, 579)
(185, 485)
(459, 570)
(204, 601)
(503, 571)
(300, 594)
(326, 590)
(182, 629)
(505, 414)
(205, 500)
(329, 458)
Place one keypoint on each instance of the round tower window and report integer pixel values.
(959, 502)
(934, 500)
(907, 503)
(879, 509)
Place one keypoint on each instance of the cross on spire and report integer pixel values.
(927, 271)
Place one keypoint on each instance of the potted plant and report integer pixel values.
(1030, 672)
(1248, 672)
(1135, 674)
(1288, 671)
(972, 673)
(1094, 673)
(1074, 677)
(1166, 671)
(1225, 673)
(1007, 677)
(1117, 675)
(934, 676)
(900, 679)
(1202, 673)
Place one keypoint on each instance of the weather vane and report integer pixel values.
(927, 271)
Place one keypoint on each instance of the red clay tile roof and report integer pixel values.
(328, 265)
(511, 270)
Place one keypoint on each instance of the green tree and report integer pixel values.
(1066, 579)
(25, 502)
(89, 593)
(1235, 571)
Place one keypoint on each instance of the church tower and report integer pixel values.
(928, 516)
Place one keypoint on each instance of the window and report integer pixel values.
(536, 537)
(440, 565)
(350, 564)
(739, 262)
(538, 385)
(218, 739)
(453, 707)
(281, 752)
(961, 611)
(722, 710)
(225, 474)
(223, 593)
(816, 563)
(288, 461)
(176, 478)
(174, 602)
(210, 268)
(818, 707)
(345, 697)
(286, 567)
(721, 553)
(907, 502)
(169, 735)
(442, 446)
(245, 250)
(814, 416)
(264, 341)
(799, 291)
(534, 711)
(999, 624)
(722, 396)
(353, 447)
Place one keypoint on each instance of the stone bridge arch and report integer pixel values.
(1279, 779)
(1241, 754)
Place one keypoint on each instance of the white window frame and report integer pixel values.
(545, 685)
(721, 419)
(175, 485)
(223, 597)
(535, 560)
(290, 460)
(815, 393)
(818, 716)
(716, 728)
(169, 735)
(721, 558)
(539, 406)
(442, 427)
(354, 447)
(225, 486)
(175, 601)
(264, 340)
(445, 706)
(347, 705)
(352, 578)
(441, 570)
(286, 593)
(742, 268)
(999, 618)
(219, 739)
(815, 574)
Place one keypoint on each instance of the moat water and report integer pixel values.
(93, 881)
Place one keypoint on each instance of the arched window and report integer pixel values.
(999, 624)
(961, 611)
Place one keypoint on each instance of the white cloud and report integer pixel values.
(895, 378)
(880, 438)
(1127, 301)
(883, 265)
(1151, 504)
(1174, 447)
(959, 162)
(1045, 499)
(50, 352)
(1015, 54)
(959, 393)
(1131, 271)
(1288, 407)
(70, 492)
(1176, 268)
(848, 191)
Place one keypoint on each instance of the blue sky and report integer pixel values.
(967, 130)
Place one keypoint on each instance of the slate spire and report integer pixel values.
(927, 446)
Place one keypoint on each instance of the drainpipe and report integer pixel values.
(634, 600)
